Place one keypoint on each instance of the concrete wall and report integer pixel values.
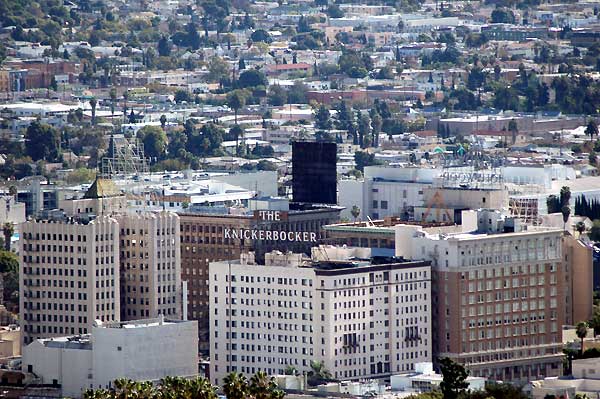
(145, 353)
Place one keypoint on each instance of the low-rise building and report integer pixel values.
(143, 350)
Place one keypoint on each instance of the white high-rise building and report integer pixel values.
(362, 319)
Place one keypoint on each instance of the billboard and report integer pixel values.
(314, 176)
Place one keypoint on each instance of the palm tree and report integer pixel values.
(93, 103)
(291, 370)
(201, 388)
(318, 373)
(113, 99)
(236, 101)
(581, 331)
(8, 229)
(97, 394)
(125, 98)
(125, 389)
(264, 387)
(235, 386)
(163, 121)
(355, 212)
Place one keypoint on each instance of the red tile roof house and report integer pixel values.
(286, 68)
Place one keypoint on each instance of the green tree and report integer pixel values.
(565, 196)
(566, 212)
(581, 331)
(181, 96)
(364, 130)
(355, 212)
(154, 140)
(218, 69)
(177, 144)
(297, 93)
(164, 47)
(277, 96)
(261, 35)
(163, 121)
(8, 229)
(205, 142)
(113, 100)
(594, 233)
(376, 123)
(42, 142)
(252, 78)
(553, 204)
(334, 11)
(93, 104)
(363, 158)
(263, 164)
(318, 374)
(235, 386)
(323, 118)
(236, 100)
(592, 129)
(513, 129)
(503, 15)
(264, 387)
(236, 132)
(454, 379)
(9, 268)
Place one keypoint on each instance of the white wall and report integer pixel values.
(147, 353)
(350, 193)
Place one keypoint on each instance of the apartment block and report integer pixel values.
(150, 265)
(208, 237)
(91, 260)
(69, 275)
(501, 293)
(363, 318)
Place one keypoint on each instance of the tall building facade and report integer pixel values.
(208, 237)
(92, 260)
(362, 319)
(501, 294)
(69, 275)
(150, 265)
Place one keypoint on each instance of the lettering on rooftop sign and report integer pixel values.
(271, 216)
(270, 235)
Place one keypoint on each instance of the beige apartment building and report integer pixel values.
(69, 275)
(150, 265)
(501, 292)
(91, 260)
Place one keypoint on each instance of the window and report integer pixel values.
(375, 204)
(384, 205)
